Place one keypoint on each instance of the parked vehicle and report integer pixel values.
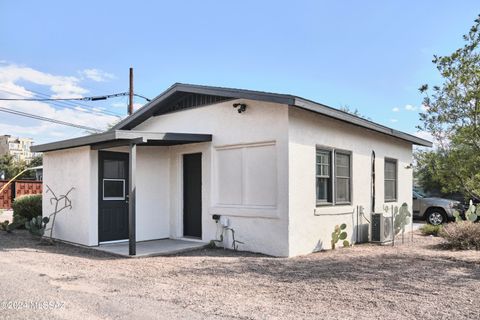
(434, 210)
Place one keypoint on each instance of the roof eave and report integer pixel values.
(358, 121)
(124, 136)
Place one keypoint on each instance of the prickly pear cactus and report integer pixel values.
(402, 216)
(37, 225)
(457, 216)
(340, 234)
(471, 214)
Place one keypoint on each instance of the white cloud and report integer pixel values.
(61, 86)
(97, 75)
(396, 109)
(424, 107)
(119, 105)
(393, 120)
(409, 107)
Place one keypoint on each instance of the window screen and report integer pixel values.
(323, 176)
(342, 177)
(114, 169)
(390, 180)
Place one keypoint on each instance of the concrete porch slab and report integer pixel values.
(152, 248)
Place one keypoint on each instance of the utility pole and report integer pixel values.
(130, 93)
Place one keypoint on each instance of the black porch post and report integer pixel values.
(132, 244)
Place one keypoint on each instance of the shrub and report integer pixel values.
(8, 227)
(430, 230)
(462, 235)
(27, 207)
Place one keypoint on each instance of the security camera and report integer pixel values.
(241, 107)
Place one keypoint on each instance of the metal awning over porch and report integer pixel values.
(115, 138)
(132, 139)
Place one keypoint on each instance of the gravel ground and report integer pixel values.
(414, 280)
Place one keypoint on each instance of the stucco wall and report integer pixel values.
(279, 217)
(262, 122)
(153, 193)
(73, 168)
(310, 227)
(78, 168)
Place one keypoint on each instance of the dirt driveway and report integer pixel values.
(364, 282)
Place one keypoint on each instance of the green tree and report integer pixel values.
(35, 162)
(10, 167)
(452, 116)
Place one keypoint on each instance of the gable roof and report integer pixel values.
(182, 96)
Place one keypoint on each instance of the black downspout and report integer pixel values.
(373, 181)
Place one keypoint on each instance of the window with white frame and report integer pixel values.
(390, 179)
(333, 176)
(324, 176)
(342, 177)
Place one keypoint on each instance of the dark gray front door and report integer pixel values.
(192, 195)
(112, 196)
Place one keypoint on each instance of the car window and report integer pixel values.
(419, 195)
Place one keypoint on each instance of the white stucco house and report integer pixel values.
(280, 170)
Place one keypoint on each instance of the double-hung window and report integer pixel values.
(324, 176)
(342, 177)
(390, 179)
(333, 176)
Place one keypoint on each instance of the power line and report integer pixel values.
(96, 98)
(140, 96)
(68, 105)
(76, 104)
(33, 116)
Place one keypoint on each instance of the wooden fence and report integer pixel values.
(16, 189)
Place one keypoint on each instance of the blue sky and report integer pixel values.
(369, 55)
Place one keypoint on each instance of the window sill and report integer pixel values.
(324, 204)
(334, 210)
(329, 204)
(391, 200)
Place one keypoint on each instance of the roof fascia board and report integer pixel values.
(75, 142)
(346, 117)
(122, 137)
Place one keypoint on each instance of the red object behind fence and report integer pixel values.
(16, 189)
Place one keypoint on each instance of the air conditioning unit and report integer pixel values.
(382, 228)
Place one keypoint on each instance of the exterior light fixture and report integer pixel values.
(242, 107)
